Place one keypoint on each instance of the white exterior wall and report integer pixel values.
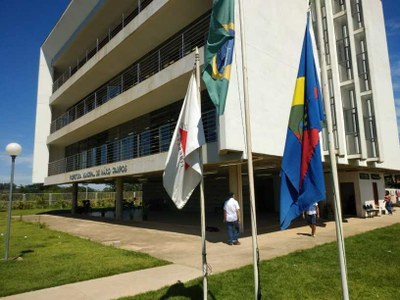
(363, 190)
(382, 88)
(76, 14)
(43, 120)
(274, 35)
(272, 62)
(367, 193)
(74, 17)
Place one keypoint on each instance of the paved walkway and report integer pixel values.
(183, 250)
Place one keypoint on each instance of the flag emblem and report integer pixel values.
(183, 169)
(302, 178)
(219, 52)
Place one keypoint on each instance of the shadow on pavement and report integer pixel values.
(189, 223)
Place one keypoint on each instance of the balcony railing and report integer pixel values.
(370, 136)
(112, 31)
(356, 9)
(325, 35)
(363, 71)
(351, 129)
(344, 59)
(338, 6)
(136, 145)
(174, 49)
(370, 127)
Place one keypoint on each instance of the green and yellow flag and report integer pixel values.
(219, 52)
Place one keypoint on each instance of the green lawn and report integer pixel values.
(51, 258)
(373, 263)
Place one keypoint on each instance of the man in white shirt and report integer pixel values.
(232, 219)
(311, 214)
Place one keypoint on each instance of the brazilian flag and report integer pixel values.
(219, 52)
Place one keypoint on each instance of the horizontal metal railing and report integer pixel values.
(174, 49)
(139, 144)
(100, 42)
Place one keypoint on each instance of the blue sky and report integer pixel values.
(24, 26)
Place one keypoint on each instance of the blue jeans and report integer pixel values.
(233, 231)
(388, 207)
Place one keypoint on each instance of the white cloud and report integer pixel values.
(19, 178)
(395, 69)
(23, 169)
(26, 160)
(396, 86)
(397, 105)
(393, 26)
(23, 179)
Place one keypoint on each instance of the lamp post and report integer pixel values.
(13, 150)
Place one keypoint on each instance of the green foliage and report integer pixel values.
(373, 261)
(40, 188)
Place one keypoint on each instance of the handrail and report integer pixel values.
(136, 145)
(177, 47)
(126, 18)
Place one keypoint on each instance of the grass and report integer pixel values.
(51, 258)
(373, 264)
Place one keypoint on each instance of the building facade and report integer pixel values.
(112, 77)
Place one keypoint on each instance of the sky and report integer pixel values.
(24, 26)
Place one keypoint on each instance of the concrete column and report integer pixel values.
(236, 187)
(74, 198)
(119, 189)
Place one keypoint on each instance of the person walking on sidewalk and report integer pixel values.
(232, 219)
(311, 215)
(388, 202)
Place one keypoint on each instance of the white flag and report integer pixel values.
(183, 169)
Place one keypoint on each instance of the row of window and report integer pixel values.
(346, 77)
(146, 135)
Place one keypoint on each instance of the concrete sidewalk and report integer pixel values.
(184, 251)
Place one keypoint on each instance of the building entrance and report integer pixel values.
(264, 193)
(348, 198)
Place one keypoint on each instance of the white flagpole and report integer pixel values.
(202, 205)
(257, 291)
(332, 157)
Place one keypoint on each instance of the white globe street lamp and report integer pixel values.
(13, 150)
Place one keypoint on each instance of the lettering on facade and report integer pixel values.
(364, 176)
(375, 176)
(121, 169)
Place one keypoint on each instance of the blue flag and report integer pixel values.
(302, 176)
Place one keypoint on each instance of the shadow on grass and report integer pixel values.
(194, 292)
(23, 252)
(21, 255)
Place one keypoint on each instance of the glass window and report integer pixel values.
(145, 145)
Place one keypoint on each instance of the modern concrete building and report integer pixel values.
(113, 74)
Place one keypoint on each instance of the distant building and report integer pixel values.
(113, 74)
